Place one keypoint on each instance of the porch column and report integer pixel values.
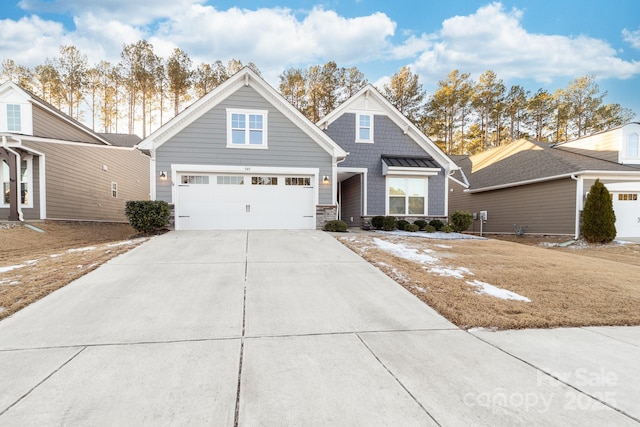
(14, 194)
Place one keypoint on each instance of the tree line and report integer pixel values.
(463, 116)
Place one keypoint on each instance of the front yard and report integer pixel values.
(509, 285)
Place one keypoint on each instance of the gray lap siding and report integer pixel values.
(389, 139)
(204, 142)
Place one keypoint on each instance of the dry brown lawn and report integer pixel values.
(47, 261)
(579, 285)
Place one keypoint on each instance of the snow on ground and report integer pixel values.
(494, 291)
(125, 242)
(439, 235)
(404, 252)
(412, 254)
(88, 248)
(11, 267)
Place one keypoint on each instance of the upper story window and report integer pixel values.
(364, 127)
(632, 146)
(14, 119)
(246, 128)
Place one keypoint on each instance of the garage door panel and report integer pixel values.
(627, 209)
(239, 203)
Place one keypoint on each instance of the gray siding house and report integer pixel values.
(55, 168)
(392, 168)
(543, 187)
(242, 157)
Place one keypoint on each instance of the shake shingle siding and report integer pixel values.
(204, 142)
(389, 139)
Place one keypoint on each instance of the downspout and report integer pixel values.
(579, 191)
(17, 186)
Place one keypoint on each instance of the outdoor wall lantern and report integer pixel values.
(163, 175)
(325, 179)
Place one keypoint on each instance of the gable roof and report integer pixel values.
(36, 100)
(368, 98)
(521, 162)
(244, 77)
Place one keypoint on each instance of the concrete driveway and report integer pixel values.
(290, 328)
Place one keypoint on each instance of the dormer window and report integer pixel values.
(14, 118)
(632, 146)
(364, 128)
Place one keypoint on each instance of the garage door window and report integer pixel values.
(264, 180)
(230, 180)
(628, 197)
(195, 179)
(246, 128)
(297, 180)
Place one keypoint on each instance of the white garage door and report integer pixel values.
(626, 205)
(244, 201)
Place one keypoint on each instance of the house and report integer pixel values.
(543, 187)
(55, 168)
(392, 168)
(242, 157)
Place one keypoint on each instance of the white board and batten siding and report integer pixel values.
(200, 149)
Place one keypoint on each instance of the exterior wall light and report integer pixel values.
(163, 175)
(325, 179)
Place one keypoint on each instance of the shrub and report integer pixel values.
(389, 223)
(461, 220)
(598, 217)
(376, 222)
(421, 223)
(412, 228)
(402, 224)
(446, 228)
(437, 224)
(146, 216)
(429, 228)
(336, 225)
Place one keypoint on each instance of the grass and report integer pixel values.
(583, 286)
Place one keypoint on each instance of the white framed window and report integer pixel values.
(114, 189)
(195, 179)
(632, 146)
(304, 181)
(364, 128)
(26, 182)
(14, 118)
(407, 196)
(230, 180)
(246, 128)
(264, 180)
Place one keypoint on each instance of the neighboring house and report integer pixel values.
(392, 168)
(543, 187)
(242, 157)
(53, 167)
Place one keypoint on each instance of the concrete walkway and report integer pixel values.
(290, 328)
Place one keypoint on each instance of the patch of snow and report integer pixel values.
(443, 246)
(1, 309)
(123, 243)
(11, 267)
(548, 244)
(494, 291)
(88, 248)
(439, 235)
(15, 282)
(403, 252)
(449, 272)
(55, 255)
(420, 289)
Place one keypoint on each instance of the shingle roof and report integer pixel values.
(410, 161)
(526, 161)
(121, 139)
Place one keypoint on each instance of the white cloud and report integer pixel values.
(30, 40)
(632, 37)
(494, 39)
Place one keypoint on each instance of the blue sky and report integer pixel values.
(534, 43)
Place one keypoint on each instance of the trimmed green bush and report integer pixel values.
(412, 228)
(336, 225)
(461, 220)
(147, 216)
(437, 224)
(389, 223)
(402, 224)
(421, 223)
(429, 228)
(598, 217)
(446, 228)
(376, 222)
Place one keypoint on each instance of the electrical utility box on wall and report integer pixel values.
(483, 215)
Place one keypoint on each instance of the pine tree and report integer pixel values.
(598, 218)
